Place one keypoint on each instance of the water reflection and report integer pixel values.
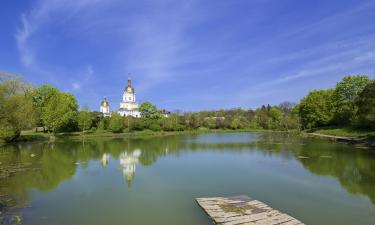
(105, 160)
(128, 162)
(47, 165)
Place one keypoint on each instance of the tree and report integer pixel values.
(58, 111)
(345, 94)
(193, 121)
(84, 119)
(365, 103)
(275, 115)
(316, 108)
(149, 111)
(41, 97)
(116, 123)
(17, 111)
(210, 123)
(286, 107)
(103, 124)
(236, 124)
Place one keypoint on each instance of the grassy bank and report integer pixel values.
(349, 134)
(345, 132)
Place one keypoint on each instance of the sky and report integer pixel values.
(188, 55)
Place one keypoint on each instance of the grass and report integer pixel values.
(345, 132)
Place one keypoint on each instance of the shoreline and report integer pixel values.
(31, 136)
(368, 141)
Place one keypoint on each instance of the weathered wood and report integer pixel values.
(243, 210)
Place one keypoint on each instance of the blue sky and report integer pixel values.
(188, 55)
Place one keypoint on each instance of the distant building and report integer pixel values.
(129, 106)
(104, 107)
(165, 113)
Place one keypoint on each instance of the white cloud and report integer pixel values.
(155, 44)
(76, 86)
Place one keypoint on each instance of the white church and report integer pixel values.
(128, 106)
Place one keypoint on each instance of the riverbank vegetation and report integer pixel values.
(350, 106)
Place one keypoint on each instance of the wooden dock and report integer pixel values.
(243, 210)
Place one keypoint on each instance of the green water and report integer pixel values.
(155, 180)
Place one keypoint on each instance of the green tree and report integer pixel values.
(103, 123)
(345, 94)
(96, 117)
(84, 119)
(193, 121)
(41, 97)
(116, 123)
(149, 111)
(58, 111)
(316, 108)
(366, 106)
(155, 125)
(275, 115)
(170, 123)
(210, 123)
(17, 111)
(236, 124)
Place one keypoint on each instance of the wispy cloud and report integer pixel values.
(190, 51)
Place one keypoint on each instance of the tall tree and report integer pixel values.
(17, 111)
(345, 94)
(41, 97)
(58, 111)
(366, 106)
(149, 111)
(116, 123)
(84, 119)
(316, 108)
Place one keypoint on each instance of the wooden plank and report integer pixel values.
(243, 210)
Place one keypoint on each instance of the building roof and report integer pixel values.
(104, 103)
(129, 88)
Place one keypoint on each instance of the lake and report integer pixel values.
(154, 180)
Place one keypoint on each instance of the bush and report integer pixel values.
(116, 124)
(154, 126)
(8, 133)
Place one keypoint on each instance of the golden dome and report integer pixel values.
(104, 103)
(129, 88)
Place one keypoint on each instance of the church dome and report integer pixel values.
(104, 103)
(129, 88)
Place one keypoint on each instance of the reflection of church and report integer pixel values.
(128, 162)
(105, 160)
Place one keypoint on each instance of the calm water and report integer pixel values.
(155, 180)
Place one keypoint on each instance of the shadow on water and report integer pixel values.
(44, 166)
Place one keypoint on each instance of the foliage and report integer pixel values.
(149, 111)
(16, 108)
(103, 123)
(116, 124)
(316, 108)
(22, 107)
(345, 94)
(365, 103)
(58, 110)
(236, 124)
(84, 119)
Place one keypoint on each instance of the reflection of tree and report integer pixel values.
(53, 163)
(353, 168)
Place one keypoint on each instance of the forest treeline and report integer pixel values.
(22, 107)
